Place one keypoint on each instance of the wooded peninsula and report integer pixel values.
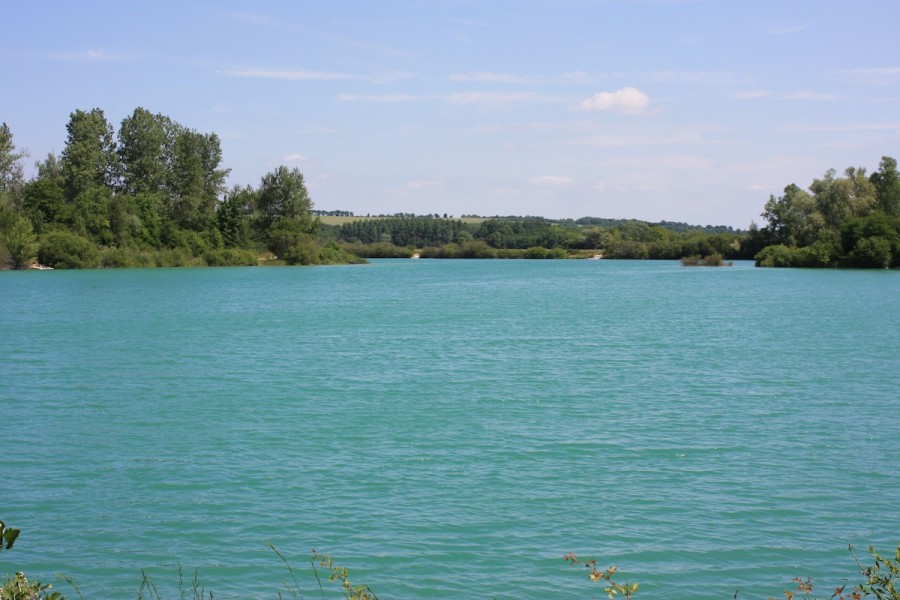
(154, 195)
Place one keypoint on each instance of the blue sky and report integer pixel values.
(683, 110)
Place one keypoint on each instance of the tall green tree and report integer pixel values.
(89, 159)
(793, 218)
(283, 195)
(887, 186)
(44, 202)
(144, 140)
(839, 198)
(196, 181)
(51, 169)
(11, 178)
(17, 236)
(232, 216)
(91, 215)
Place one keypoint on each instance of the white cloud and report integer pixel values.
(786, 29)
(577, 77)
(872, 76)
(552, 180)
(487, 76)
(255, 19)
(287, 74)
(310, 75)
(385, 98)
(350, 43)
(418, 184)
(505, 191)
(809, 95)
(628, 100)
(496, 97)
(294, 158)
(469, 23)
(891, 126)
(670, 161)
(618, 141)
(84, 56)
(705, 77)
(751, 94)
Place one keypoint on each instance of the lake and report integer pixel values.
(450, 429)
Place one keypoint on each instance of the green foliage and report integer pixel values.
(8, 536)
(871, 253)
(612, 587)
(406, 231)
(44, 201)
(849, 221)
(144, 141)
(195, 179)
(887, 186)
(19, 588)
(159, 187)
(89, 159)
(341, 574)
(283, 195)
(882, 577)
(477, 249)
(126, 258)
(11, 178)
(230, 257)
(177, 257)
(712, 260)
(17, 236)
(291, 240)
(881, 580)
(90, 217)
(545, 253)
(380, 250)
(66, 250)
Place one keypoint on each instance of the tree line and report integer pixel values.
(512, 236)
(151, 194)
(849, 221)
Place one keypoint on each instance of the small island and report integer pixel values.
(711, 260)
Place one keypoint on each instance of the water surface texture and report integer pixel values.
(450, 429)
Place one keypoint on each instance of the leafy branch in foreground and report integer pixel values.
(342, 574)
(613, 588)
(18, 587)
(882, 578)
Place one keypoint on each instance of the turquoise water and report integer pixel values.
(450, 429)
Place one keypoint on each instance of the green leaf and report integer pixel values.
(9, 537)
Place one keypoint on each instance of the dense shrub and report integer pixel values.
(230, 257)
(871, 253)
(176, 257)
(379, 250)
(477, 249)
(118, 258)
(65, 250)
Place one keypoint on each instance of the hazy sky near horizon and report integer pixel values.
(681, 110)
